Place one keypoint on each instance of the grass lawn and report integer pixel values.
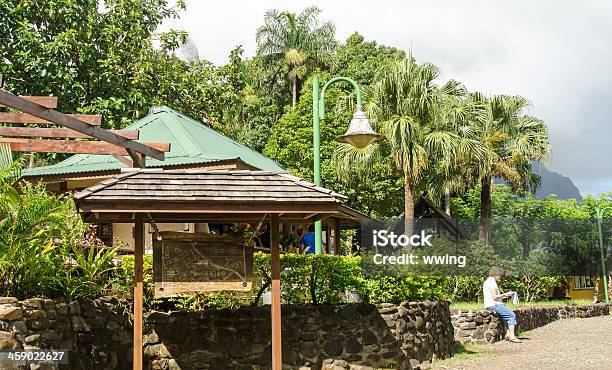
(479, 306)
(464, 354)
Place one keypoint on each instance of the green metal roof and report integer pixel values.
(190, 141)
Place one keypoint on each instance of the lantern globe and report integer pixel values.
(360, 133)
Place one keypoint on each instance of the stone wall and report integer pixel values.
(483, 326)
(99, 334)
(381, 336)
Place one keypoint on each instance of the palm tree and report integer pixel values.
(512, 141)
(455, 174)
(407, 105)
(295, 43)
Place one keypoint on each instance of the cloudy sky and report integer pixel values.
(556, 53)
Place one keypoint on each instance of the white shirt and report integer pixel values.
(488, 285)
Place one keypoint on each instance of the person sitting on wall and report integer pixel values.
(308, 241)
(493, 302)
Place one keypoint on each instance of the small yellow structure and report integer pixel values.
(585, 288)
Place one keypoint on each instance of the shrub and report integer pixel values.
(395, 289)
(124, 277)
(532, 288)
(45, 248)
(465, 288)
(324, 279)
(317, 279)
(310, 278)
(202, 300)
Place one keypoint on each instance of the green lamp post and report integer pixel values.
(359, 134)
(599, 213)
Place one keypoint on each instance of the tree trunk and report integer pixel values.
(408, 207)
(294, 92)
(447, 203)
(485, 210)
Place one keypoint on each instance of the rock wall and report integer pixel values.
(99, 334)
(381, 336)
(483, 326)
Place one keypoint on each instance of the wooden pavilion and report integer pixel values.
(231, 196)
(192, 146)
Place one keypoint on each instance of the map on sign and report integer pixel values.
(186, 262)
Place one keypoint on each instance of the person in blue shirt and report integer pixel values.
(308, 241)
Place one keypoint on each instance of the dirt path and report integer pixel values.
(564, 344)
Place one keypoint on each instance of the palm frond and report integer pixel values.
(354, 164)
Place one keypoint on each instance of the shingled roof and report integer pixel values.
(158, 189)
(191, 143)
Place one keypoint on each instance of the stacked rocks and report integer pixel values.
(478, 326)
(98, 333)
(483, 326)
(590, 310)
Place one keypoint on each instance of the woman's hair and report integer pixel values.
(496, 271)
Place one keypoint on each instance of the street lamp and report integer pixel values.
(359, 134)
(599, 213)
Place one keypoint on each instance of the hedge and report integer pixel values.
(324, 279)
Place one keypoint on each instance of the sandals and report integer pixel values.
(514, 340)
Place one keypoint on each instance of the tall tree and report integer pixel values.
(512, 140)
(88, 55)
(455, 174)
(406, 103)
(294, 44)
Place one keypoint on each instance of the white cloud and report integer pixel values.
(556, 53)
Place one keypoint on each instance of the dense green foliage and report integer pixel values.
(312, 278)
(529, 288)
(526, 227)
(45, 249)
(102, 59)
(325, 279)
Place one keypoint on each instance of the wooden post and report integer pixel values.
(327, 238)
(277, 357)
(138, 278)
(337, 236)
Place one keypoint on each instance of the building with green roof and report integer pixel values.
(192, 145)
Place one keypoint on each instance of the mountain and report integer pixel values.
(552, 183)
(555, 183)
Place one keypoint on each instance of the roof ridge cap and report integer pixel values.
(193, 144)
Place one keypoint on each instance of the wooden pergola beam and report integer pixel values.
(123, 160)
(37, 110)
(65, 133)
(73, 146)
(138, 160)
(45, 101)
(24, 118)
